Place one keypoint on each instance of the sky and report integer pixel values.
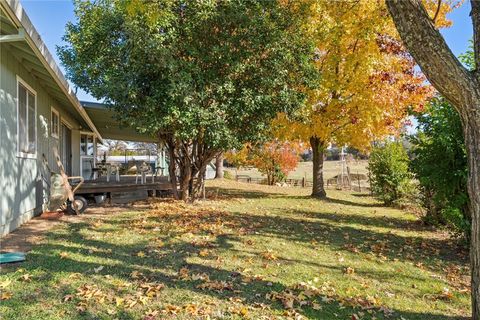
(50, 18)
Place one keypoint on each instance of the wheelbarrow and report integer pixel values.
(62, 196)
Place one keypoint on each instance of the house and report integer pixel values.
(39, 112)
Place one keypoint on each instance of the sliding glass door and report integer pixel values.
(66, 148)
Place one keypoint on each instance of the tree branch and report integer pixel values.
(430, 51)
(439, 5)
(475, 15)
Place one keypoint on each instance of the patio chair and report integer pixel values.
(96, 171)
(113, 168)
(142, 169)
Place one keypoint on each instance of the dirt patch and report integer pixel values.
(31, 233)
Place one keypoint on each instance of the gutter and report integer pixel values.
(17, 14)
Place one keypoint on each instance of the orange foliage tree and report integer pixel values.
(367, 82)
(276, 159)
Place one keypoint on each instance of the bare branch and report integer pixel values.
(439, 5)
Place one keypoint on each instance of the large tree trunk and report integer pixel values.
(462, 88)
(318, 189)
(188, 162)
(472, 141)
(219, 166)
(172, 168)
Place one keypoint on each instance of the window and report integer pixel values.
(55, 125)
(86, 145)
(27, 124)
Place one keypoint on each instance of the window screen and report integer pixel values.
(27, 126)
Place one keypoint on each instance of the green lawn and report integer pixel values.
(253, 252)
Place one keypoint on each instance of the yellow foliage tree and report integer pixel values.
(238, 158)
(367, 83)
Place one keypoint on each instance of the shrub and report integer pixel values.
(440, 165)
(390, 178)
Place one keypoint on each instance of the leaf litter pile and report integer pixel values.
(247, 253)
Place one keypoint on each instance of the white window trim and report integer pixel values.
(53, 110)
(87, 133)
(94, 156)
(21, 154)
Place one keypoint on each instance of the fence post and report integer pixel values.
(359, 186)
(303, 182)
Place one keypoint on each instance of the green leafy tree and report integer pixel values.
(440, 165)
(388, 166)
(468, 57)
(202, 76)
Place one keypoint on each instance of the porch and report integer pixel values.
(123, 185)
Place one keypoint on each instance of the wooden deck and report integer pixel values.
(124, 190)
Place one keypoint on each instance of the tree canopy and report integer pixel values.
(367, 82)
(204, 76)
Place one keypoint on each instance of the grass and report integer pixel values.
(253, 252)
(304, 169)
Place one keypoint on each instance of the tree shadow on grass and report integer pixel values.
(174, 257)
(224, 192)
(382, 221)
(162, 265)
(255, 194)
(337, 201)
(443, 249)
(388, 244)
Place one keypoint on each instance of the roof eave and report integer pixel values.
(19, 17)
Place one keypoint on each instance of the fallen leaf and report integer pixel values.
(268, 255)
(316, 306)
(203, 253)
(5, 283)
(446, 294)
(171, 309)
(5, 295)
(68, 297)
(150, 314)
(97, 270)
(349, 270)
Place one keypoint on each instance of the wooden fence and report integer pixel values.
(291, 182)
(304, 183)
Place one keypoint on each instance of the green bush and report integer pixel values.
(390, 178)
(440, 165)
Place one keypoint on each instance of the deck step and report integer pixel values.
(126, 197)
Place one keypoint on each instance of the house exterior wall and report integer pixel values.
(24, 182)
